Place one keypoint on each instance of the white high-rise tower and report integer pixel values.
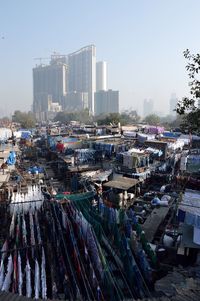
(101, 76)
(82, 73)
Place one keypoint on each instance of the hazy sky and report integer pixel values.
(142, 41)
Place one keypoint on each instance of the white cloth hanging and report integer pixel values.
(1, 274)
(37, 280)
(28, 280)
(20, 279)
(43, 277)
(7, 280)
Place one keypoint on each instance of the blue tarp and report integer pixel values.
(171, 134)
(25, 134)
(35, 170)
(11, 158)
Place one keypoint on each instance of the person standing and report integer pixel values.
(3, 167)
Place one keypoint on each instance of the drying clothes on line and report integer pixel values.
(1, 274)
(43, 276)
(175, 145)
(31, 201)
(15, 273)
(37, 280)
(85, 155)
(106, 148)
(120, 148)
(7, 280)
(196, 236)
(135, 151)
(76, 235)
(155, 152)
(28, 279)
(35, 170)
(20, 280)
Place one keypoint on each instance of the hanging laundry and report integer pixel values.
(43, 276)
(28, 279)
(32, 229)
(7, 280)
(38, 228)
(4, 249)
(24, 232)
(12, 226)
(15, 274)
(37, 280)
(20, 281)
(1, 274)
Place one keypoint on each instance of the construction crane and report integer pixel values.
(41, 59)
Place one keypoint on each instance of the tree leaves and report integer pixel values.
(27, 120)
(152, 119)
(187, 105)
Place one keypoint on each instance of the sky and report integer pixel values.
(141, 40)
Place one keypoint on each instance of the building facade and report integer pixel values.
(82, 73)
(75, 101)
(148, 107)
(106, 102)
(49, 84)
(101, 76)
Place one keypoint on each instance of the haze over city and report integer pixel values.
(142, 42)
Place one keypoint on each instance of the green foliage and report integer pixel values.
(114, 118)
(27, 120)
(66, 117)
(193, 67)
(84, 117)
(191, 122)
(187, 106)
(152, 119)
(131, 116)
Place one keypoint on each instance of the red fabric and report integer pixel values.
(60, 146)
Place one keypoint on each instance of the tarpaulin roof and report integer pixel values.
(76, 197)
(122, 183)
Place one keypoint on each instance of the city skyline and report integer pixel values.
(143, 44)
(72, 82)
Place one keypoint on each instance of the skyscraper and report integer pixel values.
(101, 76)
(49, 83)
(82, 73)
(148, 107)
(106, 102)
(75, 101)
(172, 104)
